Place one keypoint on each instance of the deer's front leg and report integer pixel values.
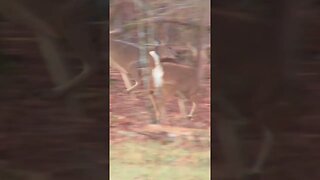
(155, 106)
(182, 107)
(163, 110)
(193, 108)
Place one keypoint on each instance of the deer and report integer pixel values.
(124, 57)
(175, 80)
(127, 64)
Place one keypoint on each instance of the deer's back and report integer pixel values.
(182, 77)
(125, 55)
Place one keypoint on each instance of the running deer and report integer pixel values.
(124, 57)
(174, 79)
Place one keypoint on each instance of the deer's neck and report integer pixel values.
(157, 71)
(156, 58)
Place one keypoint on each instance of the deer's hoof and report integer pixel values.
(189, 117)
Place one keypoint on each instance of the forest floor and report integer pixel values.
(176, 148)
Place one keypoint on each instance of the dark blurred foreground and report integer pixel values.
(51, 138)
(265, 62)
(266, 69)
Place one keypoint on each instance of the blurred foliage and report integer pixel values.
(188, 12)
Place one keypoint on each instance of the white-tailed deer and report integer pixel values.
(174, 79)
(124, 57)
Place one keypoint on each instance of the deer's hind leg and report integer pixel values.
(155, 106)
(161, 102)
(182, 107)
(194, 98)
(181, 101)
(135, 75)
(193, 108)
(125, 75)
(127, 82)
